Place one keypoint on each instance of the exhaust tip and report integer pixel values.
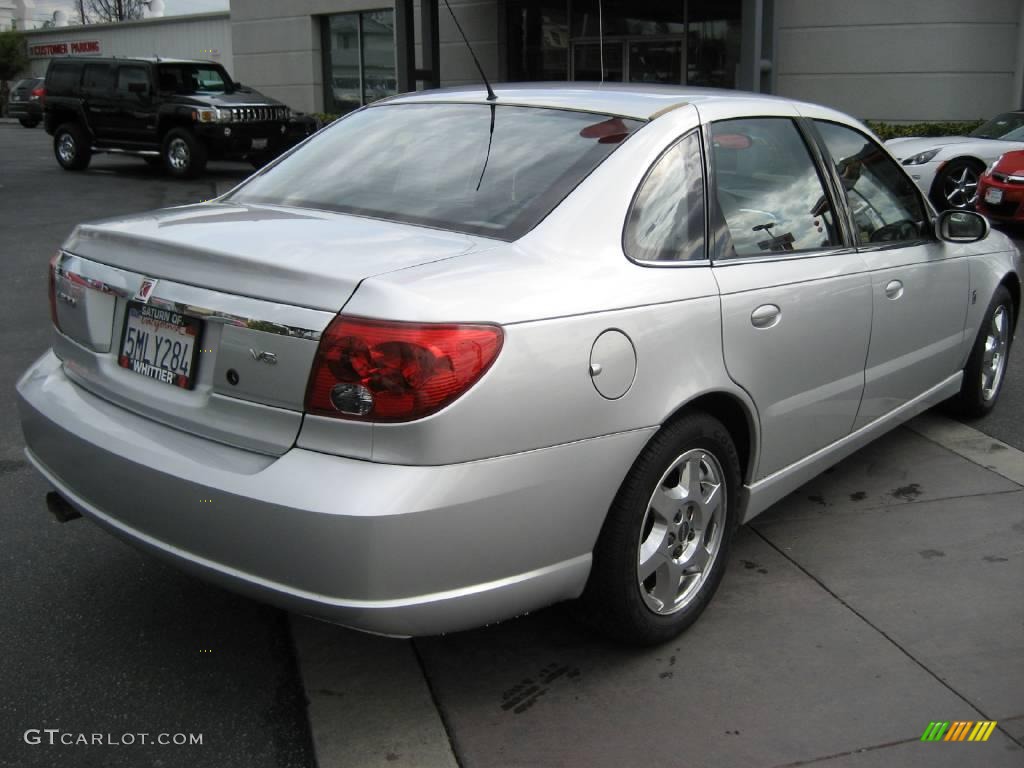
(60, 508)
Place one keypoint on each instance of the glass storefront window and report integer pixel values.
(359, 59)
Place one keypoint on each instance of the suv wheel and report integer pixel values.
(183, 154)
(72, 147)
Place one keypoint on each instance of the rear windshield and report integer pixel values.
(475, 168)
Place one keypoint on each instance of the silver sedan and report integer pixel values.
(455, 359)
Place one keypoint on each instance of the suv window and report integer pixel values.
(768, 188)
(97, 77)
(666, 222)
(883, 200)
(63, 78)
(129, 76)
(194, 78)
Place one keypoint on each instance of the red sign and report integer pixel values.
(75, 48)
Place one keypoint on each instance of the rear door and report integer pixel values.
(136, 113)
(98, 99)
(920, 285)
(796, 297)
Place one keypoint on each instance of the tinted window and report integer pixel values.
(97, 77)
(666, 222)
(128, 76)
(768, 188)
(883, 200)
(62, 78)
(999, 126)
(489, 170)
(194, 78)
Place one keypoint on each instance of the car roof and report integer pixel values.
(129, 59)
(637, 101)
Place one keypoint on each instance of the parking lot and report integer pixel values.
(882, 596)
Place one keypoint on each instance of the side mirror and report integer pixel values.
(961, 227)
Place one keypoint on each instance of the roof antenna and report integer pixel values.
(600, 33)
(490, 91)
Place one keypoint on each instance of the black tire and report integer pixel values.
(616, 601)
(72, 146)
(975, 398)
(29, 122)
(958, 178)
(184, 156)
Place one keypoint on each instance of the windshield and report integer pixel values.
(475, 168)
(194, 78)
(999, 126)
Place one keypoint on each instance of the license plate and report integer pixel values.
(993, 195)
(160, 344)
(259, 143)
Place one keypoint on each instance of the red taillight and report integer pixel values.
(374, 370)
(53, 290)
(39, 93)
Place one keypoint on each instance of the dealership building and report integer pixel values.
(876, 59)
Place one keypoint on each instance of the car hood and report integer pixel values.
(952, 146)
(299, 257)
(236, 99)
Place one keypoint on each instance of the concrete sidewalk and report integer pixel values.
(882, 596)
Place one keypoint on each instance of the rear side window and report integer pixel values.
(666, 222)
(768, 188)
(63, 78)
(491, 170)
(885, 204)
(97, 77)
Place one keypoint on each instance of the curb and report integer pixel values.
(368, 702)
(969, 443)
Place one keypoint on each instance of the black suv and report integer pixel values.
(173, 113)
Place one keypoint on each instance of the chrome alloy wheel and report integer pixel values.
(66, 148)
(178, 154)
(961, 191)
(993, 363)
(682, 532)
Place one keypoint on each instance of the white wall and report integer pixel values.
(900, 60)
(200, 36)
(277, 44)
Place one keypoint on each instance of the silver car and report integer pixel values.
(455, 359)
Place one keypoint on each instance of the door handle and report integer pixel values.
(894, 289)
(766, 316)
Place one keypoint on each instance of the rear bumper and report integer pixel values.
(398, 550)
(20, 109)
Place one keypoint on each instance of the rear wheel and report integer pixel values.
(184, 156)
(29, 122)
(986, 367)
(956, 186)
(72, 147)
(663, 548)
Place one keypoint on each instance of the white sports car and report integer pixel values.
(947, 168)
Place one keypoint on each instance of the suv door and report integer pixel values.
(796, 297)
(98, 99)
(136, 110)
(920, 285)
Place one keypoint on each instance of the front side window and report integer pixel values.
(194, 78)
(666, 222)
(483, 169)
(883, 200)
(768, 189)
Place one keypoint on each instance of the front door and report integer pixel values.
(920, 286)
(796, 297)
